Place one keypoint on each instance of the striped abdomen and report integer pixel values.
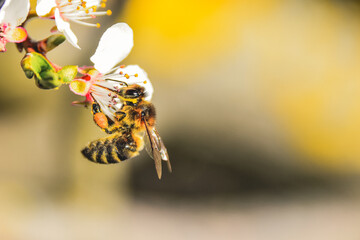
(112, 149)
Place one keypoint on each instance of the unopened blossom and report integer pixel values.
(101, 82)
(66, 11)
(12, 14)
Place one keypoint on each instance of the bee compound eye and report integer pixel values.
(132, 93)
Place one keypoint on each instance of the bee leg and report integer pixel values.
(101, 120)
(120, 115)
(95, 108)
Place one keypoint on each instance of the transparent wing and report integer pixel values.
(156, 149)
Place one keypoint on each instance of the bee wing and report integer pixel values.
(156, 149)
(163, 151)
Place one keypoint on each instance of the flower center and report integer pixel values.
(79, 10)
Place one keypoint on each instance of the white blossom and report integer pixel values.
(12, 14)
(66, 11)
(105, 79)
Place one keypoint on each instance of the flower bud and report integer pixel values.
(37, 66)
(53, 41)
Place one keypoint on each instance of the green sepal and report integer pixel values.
(53, 41)
(37, 66)
(68, 73)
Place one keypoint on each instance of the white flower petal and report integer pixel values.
(64, 27)
(14, 12)
(115, 44)
(44, 7)
(102, 97)
(90, 3)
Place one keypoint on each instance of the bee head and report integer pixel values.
(148, 113)
(132, 92)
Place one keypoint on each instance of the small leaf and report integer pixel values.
(68, 73)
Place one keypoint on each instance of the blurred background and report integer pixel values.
(258, 103)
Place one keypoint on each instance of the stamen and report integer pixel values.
(86, 24)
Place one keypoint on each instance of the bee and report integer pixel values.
(132, 125)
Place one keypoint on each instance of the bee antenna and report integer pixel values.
(108, 79)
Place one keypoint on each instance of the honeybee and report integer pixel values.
(132, 125)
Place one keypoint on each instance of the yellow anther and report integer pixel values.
(87, 11)
(109, 12)
(104, 1)
(69, 1)
(121, 73)
(98, 25)
(127, 76)
(136, 75)
(145, 82)
(103, 5)
(94, 8)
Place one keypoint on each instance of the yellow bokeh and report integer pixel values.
(301, 60)
(187, 34)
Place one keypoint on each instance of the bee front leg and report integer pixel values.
(120, 115)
